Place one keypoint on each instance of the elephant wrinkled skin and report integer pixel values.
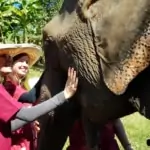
(108, 42)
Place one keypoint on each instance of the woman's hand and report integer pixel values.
(6, 70)
(36, 127)
(71, 84)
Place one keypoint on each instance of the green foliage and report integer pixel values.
(21, 21)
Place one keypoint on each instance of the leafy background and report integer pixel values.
(21, 21)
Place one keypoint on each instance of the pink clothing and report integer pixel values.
(8, 108)
(108, 141)
(23, 137)
(77, 138)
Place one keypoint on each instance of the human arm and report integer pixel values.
(121, 134)
(26, 115)
(13, 111)
(34, 93)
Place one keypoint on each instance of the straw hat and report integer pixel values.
(33, 51)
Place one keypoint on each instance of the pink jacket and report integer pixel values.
(23, 138)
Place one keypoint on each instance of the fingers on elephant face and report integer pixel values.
(69, 72)
(74, 76)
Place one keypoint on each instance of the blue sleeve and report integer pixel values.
(29, 97)
(33, 94)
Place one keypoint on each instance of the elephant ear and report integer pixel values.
(119, 75)
(122, 36)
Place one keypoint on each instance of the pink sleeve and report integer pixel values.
(8, 106)
(18, 92)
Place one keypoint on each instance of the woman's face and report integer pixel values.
(21, 66)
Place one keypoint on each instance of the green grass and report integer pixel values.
(137, 127)
(138, 130)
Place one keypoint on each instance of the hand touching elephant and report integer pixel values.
(71, 84)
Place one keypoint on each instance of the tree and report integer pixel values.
(23, 20)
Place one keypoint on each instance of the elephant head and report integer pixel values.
(107, 41)
(125, 28)
(113, 34)
(121, 31)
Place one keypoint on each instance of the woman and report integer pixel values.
(14, 115)
(25, 137)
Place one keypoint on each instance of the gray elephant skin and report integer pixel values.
(108, 43)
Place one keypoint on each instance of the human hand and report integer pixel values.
(37, 126)
(71, 84)
(6, 70)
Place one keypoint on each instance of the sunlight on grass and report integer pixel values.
(138, 130)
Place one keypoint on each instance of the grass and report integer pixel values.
(137, 127)
(138, 130)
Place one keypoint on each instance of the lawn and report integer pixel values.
(138, 130)
(136, 126)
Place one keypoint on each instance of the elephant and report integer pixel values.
(108, 43)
